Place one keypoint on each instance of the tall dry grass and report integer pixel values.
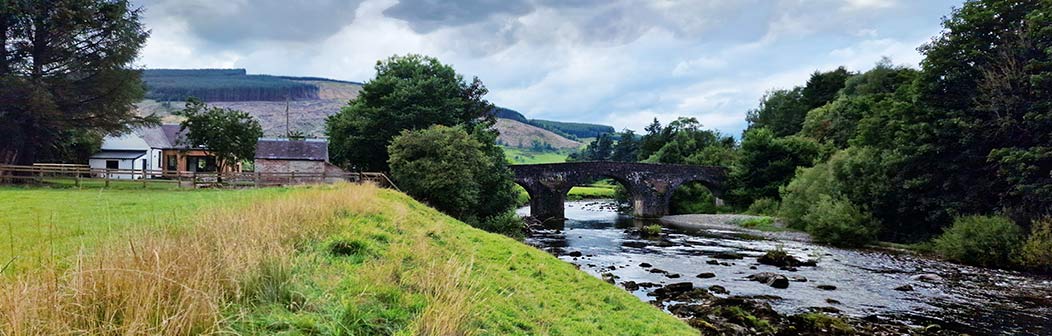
(178, 282)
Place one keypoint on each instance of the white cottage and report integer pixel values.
(159, 149)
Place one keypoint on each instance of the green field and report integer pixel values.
(347, 259)
(40, 225)
(526, 156)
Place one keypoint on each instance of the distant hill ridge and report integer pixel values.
(566, 129)
(315, 98)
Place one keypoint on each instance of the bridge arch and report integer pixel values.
(649, 185)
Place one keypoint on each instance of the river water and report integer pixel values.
(960, 298)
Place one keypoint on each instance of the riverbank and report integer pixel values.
(344, 259)
(727, 279)
(732, 222)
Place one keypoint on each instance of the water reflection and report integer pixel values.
(868, 283)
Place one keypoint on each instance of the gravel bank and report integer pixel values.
(727, 222)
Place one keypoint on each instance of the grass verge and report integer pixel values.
(353, 260)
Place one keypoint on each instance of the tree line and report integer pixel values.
(896, 153)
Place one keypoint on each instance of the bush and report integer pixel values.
(508, 224)
(980, 240)
(1036, 252)
(802, 194)
(763, 207)
(837, 221)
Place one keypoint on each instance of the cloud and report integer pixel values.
(621, 62)
(238, 21)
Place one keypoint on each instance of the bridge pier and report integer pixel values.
(650, 185)
(547, 204)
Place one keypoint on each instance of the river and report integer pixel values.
(869, 284)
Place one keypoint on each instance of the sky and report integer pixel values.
(620, 63)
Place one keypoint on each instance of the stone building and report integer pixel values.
(309, 158)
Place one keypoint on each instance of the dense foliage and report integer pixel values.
(981, 240)
(66, 74)
(506, 113)
(572, 130)
(451, 170)
(408, 93)
(229, 135)
(222, 85)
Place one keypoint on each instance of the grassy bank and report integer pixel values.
(41, 225)
(527, 156)
(326, 260)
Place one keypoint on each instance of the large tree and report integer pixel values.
(408, 93)
(229, 135)
(453, 171)
(66, 71)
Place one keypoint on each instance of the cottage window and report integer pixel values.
(113, 164)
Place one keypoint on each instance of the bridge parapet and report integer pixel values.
(649, 184)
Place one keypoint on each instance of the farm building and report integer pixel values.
(307, 157)
(160, 150)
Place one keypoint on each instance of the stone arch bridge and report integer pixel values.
(650, 185)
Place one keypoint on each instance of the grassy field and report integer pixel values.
(352, 260)
(525, 156)
(42, 225)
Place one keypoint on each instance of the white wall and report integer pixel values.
(121, 164)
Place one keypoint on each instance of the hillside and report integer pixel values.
(520, 135)
(312, 100)
(324, 260)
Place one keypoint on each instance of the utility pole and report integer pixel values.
(288, 132)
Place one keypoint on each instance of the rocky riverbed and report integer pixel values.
(725, 279)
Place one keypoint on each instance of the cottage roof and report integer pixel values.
(285, 149)
(118, 154)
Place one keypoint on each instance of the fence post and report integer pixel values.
(144, 176)
(257, 179)
(292, 177)
(193, 177)
(76, 178)
(324, 179)
(106, 177)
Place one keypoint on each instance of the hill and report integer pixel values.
(521, 135)
(312, 100)
(572, 130)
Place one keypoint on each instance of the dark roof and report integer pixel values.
(164, 136)
(118, 154)
(285, 149)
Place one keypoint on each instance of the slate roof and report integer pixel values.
(285, 149)
(163, 137)
(118, 154)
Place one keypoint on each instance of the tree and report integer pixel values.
(783, 111)
(627, 148)
(66, 69)
(450, 170)
(408, 93)
(229, 135)
(768, 163)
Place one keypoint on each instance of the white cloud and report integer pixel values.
(617, 62)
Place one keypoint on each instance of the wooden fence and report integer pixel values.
(77, 175)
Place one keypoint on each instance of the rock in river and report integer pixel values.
(904, 288)
(575, 254)
(707, 275)
(927, 277)
(826, 287)
(771, 279)
(645, 265)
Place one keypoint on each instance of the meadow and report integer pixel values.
(346, 259)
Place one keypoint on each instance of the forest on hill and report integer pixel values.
(225, 85)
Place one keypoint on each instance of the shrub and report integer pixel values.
(803, 193)
(837, 221)
(1036, 252)
(508, 224)
(980, 240)
(764, 207)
